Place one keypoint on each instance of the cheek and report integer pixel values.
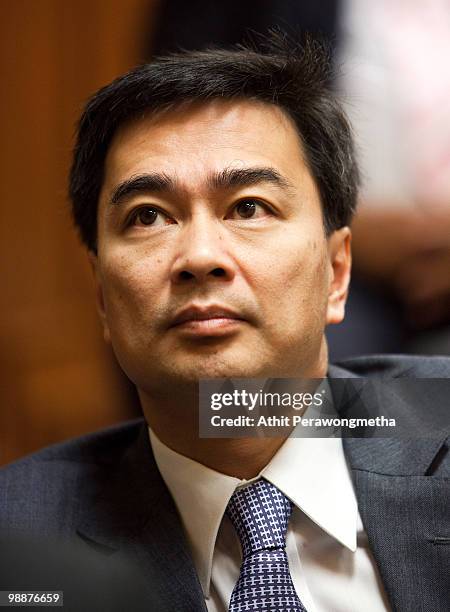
(308, 270)
(131, 285)
(293, 271)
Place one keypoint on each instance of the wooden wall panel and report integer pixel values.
(57, 378)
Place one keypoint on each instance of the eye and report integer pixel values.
(148, 215)
(249, 208)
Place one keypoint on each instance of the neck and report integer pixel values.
(174, 420)
(175, 423)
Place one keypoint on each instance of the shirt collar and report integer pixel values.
(201, 496)
(311, 472)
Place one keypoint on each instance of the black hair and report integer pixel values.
(294, 76)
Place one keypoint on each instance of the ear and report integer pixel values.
(93, 260)
(340, 261)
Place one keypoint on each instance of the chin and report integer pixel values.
(217, 367)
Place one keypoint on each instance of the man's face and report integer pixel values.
(212, 258)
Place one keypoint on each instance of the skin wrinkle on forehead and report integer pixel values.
(279, 123)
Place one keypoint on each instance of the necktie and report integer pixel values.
(260, 515)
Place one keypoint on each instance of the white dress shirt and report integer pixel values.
(331, 565)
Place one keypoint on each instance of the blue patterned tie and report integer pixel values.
(260, 515)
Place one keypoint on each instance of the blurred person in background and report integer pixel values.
(395, 84)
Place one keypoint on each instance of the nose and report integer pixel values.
(202, 254)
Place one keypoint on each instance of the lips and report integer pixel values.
(204, 313)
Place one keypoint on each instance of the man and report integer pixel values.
(214, 191)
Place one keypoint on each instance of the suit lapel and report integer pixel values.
(403, 503)
(404, 513)
(132, 515)
(402, 507)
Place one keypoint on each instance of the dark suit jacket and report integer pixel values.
(105, 490)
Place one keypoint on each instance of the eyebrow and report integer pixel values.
(143, 183)
(229, 178)
(245, 177)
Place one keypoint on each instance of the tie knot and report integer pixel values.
(260, 515)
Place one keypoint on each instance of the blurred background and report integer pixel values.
(58, 378)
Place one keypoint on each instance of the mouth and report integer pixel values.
(210, 320)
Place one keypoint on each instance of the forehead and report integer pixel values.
(196, 139)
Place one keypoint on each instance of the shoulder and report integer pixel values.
(104, 446)
(392, 366)
(55, 476)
